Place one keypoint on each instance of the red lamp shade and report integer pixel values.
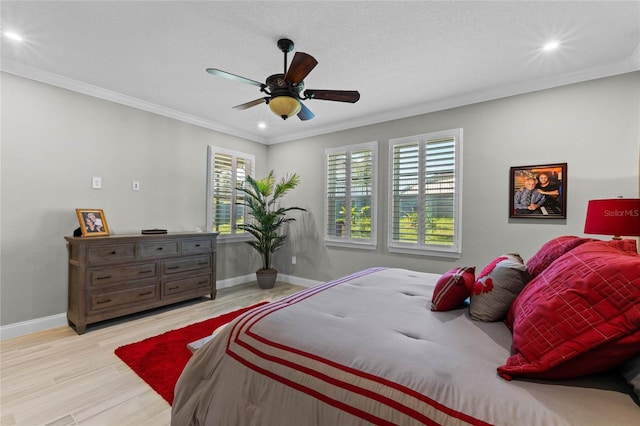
(616, 216)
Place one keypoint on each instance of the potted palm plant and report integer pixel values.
(261, 200)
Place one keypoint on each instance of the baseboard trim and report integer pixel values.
(32, 326)
(58, 320)
(230, 282)
(303, 282)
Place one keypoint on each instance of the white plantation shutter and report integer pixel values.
(243, 167)
(361, 194)
(226, 172)
(439, 190)
(350, 195)
(222, 197)
(336, 193)
(424, 200)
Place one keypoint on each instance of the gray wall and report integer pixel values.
(55, 140)
(592, 126)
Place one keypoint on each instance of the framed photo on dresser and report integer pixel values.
(538, 191)
(93, 222)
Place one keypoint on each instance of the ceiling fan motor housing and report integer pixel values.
(278, 86)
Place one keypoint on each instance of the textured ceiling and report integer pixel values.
(404, 57)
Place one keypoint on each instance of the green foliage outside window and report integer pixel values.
(437, 230)
(360, 221)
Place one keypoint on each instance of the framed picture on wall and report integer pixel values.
(93, 222)
(538, 192)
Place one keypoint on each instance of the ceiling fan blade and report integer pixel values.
(234, 77)
(305, 113)
(251, 104)
(333, 95)
(301, 66)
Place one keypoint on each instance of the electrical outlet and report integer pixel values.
(293, 260)
(96, 182)
(135, 185)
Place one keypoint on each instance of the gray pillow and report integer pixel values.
(630, 370)
(496, 288)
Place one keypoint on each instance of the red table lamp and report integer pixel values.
(615, 216)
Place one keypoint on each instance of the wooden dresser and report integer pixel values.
(123, 274)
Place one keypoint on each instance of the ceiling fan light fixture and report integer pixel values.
(284, 106)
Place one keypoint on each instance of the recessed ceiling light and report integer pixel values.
(13, 36)
(552, 45)
(262, 125)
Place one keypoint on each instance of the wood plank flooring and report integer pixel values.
(58, 378)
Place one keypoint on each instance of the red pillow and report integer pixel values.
(552, 250)
(624, 245)
(579, 316)
(453, 288)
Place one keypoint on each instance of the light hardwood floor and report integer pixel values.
(57, 377)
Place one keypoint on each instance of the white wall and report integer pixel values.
(55, 140)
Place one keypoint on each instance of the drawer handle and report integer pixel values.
(197, 245)
(114, 252)
(159, 248)
(106, 277)
(203, 263)
(173, 267)
(145, 272)
(174, 288)
(100, 302)
(145, 293)
(203, 282)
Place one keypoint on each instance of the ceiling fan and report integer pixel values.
(286, 91)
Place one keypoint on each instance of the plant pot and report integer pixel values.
(266, 277)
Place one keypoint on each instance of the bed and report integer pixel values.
(368, 349)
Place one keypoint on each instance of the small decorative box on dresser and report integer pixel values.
(119, 275)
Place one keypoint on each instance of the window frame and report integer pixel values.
(350, 242)
(235, 155)
(420, 247)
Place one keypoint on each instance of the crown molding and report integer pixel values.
(57, 80)
(628, 65)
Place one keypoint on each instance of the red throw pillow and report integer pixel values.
(579, 316)
(551, 250)
(453, 288)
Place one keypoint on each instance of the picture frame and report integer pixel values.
(93, 222)
(538, 191)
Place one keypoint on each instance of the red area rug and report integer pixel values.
(159, 360)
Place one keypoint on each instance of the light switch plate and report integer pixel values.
(96, 182)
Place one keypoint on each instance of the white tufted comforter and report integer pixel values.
(366, 349)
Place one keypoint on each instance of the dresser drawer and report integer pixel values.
(186, 264)
(150, 249)
(99, 301)
(107, 276)
(199, 245)
(111, 253)
(185, 286)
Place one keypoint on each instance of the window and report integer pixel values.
(350, 195)
(227, 170)
(425, 194)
